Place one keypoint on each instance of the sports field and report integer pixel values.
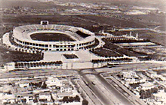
(51, 37)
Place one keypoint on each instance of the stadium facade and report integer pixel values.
(50, 37)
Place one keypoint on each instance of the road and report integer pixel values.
(90, 96)
(36, 73)
(105, 92)
(43, 72)
(133, 67)
(105, 100)
(123, 90)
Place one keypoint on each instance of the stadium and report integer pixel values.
(44, 45)
(51, 37)
(49, 45)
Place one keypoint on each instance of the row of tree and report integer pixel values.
(111, 60)
(68, 99)
(37, 64)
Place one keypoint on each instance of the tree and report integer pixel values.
(70, 99)
(142, 94)
(154, 90)
(77, 98)
(164, 89)
(65, 99)
(84, 102)
(44, 86)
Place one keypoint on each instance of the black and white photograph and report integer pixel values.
(82, 52)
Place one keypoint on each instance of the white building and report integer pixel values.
(66, 89)
(45, 95)
(129, 74)
(52, 81)
(147, 85)
(160, 97)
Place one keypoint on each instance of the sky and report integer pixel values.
(154, 2)
(98, 0)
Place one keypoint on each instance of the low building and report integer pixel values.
(73, 103)
(45, 96)
(129, 74)
(60, 96)
(160, 97)
(7, 98)
(147, 85)
(51, 81)
(24, 85)
(8, 101)
(66, 89)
